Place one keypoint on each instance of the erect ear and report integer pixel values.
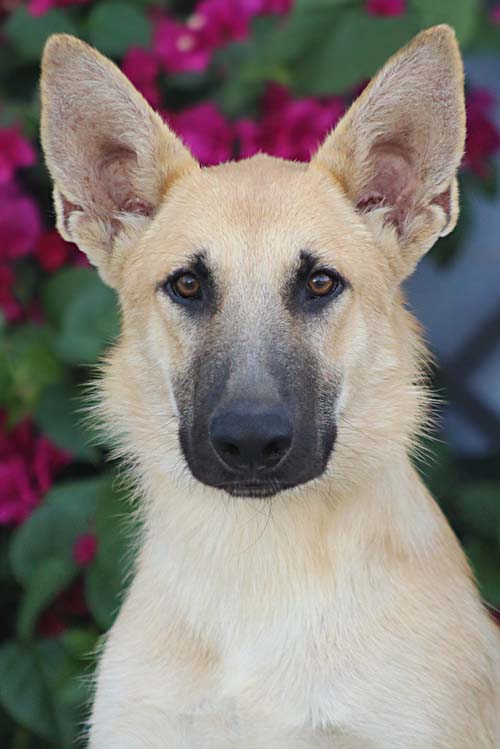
(397, 150)
(110, 155)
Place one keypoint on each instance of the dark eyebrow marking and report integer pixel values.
(198, 265)
(294, 285)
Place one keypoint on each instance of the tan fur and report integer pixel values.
(340, 614)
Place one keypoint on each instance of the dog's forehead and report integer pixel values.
(259, 215)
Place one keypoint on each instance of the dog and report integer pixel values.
(296, 585)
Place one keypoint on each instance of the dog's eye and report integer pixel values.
(323, 283)
(186, 286)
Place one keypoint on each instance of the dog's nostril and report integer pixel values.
(275, 449)
(230, 450)
(250, 438)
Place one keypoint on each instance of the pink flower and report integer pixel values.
(205, 131)
(483, 137)
(84, 549)
(180, 48)
(9, 305)
(17, 495)
(141, 67)
(28, 464)
(47, 461)
(495, 15)
(188, 47)
(219, 22)
(19, 223)
(15, 151)
(40, 7)
(50, 624)
(289, 128)
(52, 251)
(386, 7)
(70, 605)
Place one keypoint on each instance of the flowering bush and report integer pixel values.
(232, 78)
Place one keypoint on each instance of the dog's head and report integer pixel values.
(261, 305)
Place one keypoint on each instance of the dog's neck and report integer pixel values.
(312, 529)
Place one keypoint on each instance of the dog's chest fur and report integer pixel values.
(245, 654)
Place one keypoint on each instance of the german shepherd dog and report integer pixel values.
(296, 585)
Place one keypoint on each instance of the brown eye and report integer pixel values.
(187, 286)
(322, 283)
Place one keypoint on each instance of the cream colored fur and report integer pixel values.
(341, 614)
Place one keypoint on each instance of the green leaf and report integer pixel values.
(353, 48)
(90, 322)
(29, 366)
(36, 690)
(57, 416)
(50, 578)
(107, 575)
(50, 532)
(487, 36)
(463, 15)
(28, 34)
(274, 45)
(478, 506)
(485, 561)
(60, 290)
(79, 642)
(23, 692)
(113, 27)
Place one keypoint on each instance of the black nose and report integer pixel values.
(250, 438)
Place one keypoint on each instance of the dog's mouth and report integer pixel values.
(254, 489)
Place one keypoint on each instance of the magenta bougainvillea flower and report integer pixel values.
(39, 7)
(15, 151)
(69, 606)
(52, 252)
(386, 7)
(483, 136)
(290, 128)
(28, 464)
(85, 548)
(220, 22)
(180, 48)
(205, 131)
(495, 14)
(188, 46)
(142, 67)
(20, 223)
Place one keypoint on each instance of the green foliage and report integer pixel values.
(105, 577)
(41, 687)
(115, 26)
(59, 417)
(462, 15)
(28, 365)
(28, 35)
(84, 314)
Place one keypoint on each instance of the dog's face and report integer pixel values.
(255, 293)
(260, 299)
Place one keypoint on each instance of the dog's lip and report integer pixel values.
(254, 489)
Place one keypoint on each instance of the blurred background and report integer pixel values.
(232, 77)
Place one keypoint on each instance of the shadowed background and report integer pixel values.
(232, 77)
